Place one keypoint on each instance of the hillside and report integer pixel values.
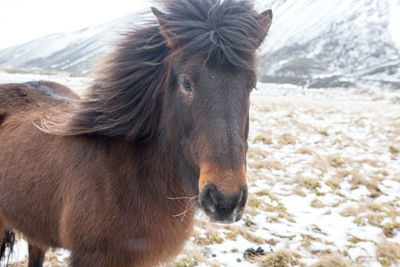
(333, 43)
(74, 52)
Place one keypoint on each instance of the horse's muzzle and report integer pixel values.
(223, 208)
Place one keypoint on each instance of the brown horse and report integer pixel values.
(112, 177)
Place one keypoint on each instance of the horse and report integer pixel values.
(115, 176)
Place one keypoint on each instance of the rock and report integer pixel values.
(252, 253)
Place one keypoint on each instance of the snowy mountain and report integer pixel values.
(319, 43)
(313, 43)
(73, 51)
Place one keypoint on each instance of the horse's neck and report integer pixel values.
(161, 173)
(167, 183)
(151, 193)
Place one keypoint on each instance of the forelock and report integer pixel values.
(224, 33)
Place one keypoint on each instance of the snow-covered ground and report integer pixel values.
(324, 179)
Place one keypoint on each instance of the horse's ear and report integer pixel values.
(265, 19)
(162, 20)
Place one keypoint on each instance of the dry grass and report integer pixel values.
(305, 151)
(211, 238)
(256, 153)
(286, 139)
(187, 262)
(333, 184)
(333, 260)
(254, 202)
(310, 184)
(276, 259)
(19, 264)
(320, 163)
(280, 210)
(298, 190)
(388, 253)
(371, 162)
(267, 193)
(267, 140)
(317, 204)
(389, 229)
(308, 239)
(190, 258)
(230, 236)
(337, 161)
(355, 239)
(266, 164)
(373, 218)
(350, 211)
(372, 185)
(250, 237)
(394, 150)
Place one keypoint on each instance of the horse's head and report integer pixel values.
(211, 72)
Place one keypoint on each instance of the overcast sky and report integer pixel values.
(25, 20)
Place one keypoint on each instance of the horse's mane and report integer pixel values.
(125, 98)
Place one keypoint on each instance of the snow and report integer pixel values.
(300, 22)
(20, 252)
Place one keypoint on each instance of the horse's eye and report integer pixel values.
(187, 85)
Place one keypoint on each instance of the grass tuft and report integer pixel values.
(263, 139)
(317, 204)
(394, 150)
(187, 262)
(286, 139)
(333, 260)
(389, 229)
(276, 259)
(388, 253)
(311, 184)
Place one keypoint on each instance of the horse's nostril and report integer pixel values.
(214, 196)
(242, 192)
(221, 207)
(207, 200)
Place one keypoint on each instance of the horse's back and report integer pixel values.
(29, 157)
(16, 97)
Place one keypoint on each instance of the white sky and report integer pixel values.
(25, 20)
